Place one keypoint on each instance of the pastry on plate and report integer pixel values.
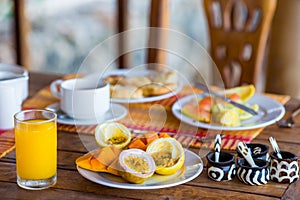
(138, 81)
(134, 87)
(113, 79)
(156, 89)
(125, 92)
(164, 77)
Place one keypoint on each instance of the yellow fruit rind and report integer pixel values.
(160, 150)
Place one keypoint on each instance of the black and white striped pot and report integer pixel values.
(224, 170)
(258, 151)
(253, 175)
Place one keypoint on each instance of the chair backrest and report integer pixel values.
(238, 31)
(158, 17)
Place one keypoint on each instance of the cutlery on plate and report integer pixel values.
(289, 122)
(275, 147)
(218, 141)
(246, 153)
(241, 106)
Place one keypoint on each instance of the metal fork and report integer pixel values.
(289, 122)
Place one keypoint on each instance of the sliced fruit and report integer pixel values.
(245, 115)
(196, 114)
(100, 160)
(150, 137)
(245, 92)
(229, 117)
(168, 155)
(114, 168)
(136, 165)
(137, 143)
(235, 97)
(206, 103)
(112, 133)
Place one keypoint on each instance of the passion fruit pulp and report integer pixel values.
(168, 155)
(136, 165)
(112, 133)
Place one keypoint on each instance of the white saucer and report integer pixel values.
(116, 112)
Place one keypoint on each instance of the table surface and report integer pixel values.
(72, 185)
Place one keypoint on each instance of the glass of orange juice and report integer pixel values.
(36, 148)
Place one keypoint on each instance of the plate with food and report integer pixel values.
(142, 85)
(205, 111)
(149, 161)
(193, 167)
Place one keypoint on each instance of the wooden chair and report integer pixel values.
(238, 31)
(158, 17)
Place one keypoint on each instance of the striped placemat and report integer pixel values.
(160, 119)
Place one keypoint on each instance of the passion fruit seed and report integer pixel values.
(137, 163)
(164, 159)
(137, 166)
(112, 133)
(168, 155)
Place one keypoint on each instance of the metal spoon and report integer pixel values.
(275, 147)
(246, 153)
(218, 141)
(289, 122)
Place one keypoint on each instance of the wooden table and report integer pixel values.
(71, 185)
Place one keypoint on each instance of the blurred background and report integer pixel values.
(61, 33)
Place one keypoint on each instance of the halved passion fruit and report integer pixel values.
(168, 155)
(112, 133)
(136, 165)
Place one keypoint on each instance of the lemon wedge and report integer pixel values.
(245, 92)
(168, 155)
(112, 133)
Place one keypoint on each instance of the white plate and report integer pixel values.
(193, 166)
(270, 111)
(116, 112)
(140, 72)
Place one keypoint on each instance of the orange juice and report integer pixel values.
(36, 149)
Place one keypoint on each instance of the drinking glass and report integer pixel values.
(36, 148)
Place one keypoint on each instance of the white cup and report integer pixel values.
(16, 77)
(9, 105)
(81, 99)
